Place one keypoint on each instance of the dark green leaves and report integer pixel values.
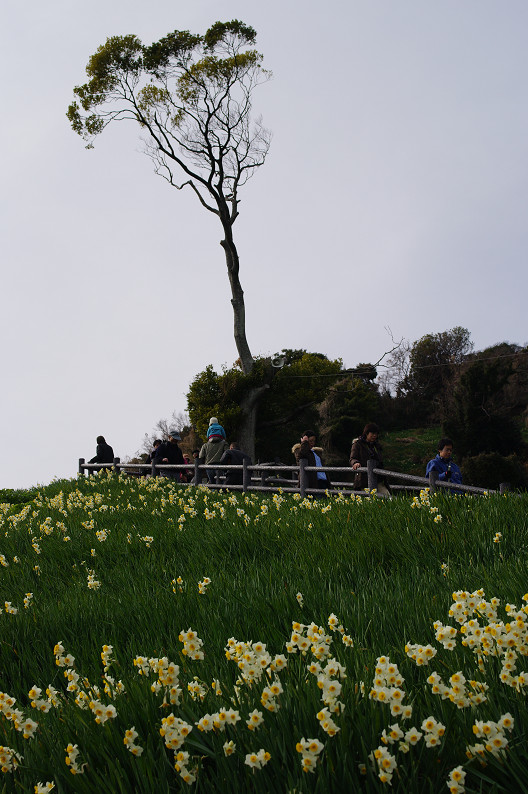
(119, 54)
(223, 31)
(117, 60)
(176, 46)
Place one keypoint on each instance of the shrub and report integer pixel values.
(16, 497)
(489, 469)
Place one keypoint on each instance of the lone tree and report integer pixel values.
(191, 95)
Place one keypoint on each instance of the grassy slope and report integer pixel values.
(377, 565)
(409, 450)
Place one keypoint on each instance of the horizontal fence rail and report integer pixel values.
(268, 477)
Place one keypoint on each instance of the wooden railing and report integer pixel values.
(270, 477)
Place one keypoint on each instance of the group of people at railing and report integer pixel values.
(366, 448)
(216, 451)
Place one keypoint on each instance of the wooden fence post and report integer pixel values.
(153, 469)
(246, 475)
(433, 476)
(303, 477)
(117, 461)
(81, 463)
(372, 479)
(504, 487)
(196, 471)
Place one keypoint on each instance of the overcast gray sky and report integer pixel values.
(394, 195)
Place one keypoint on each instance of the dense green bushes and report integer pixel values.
(489, 469)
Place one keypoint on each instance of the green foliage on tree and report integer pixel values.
(191, 96)
(213, 394)
(291, 405)
(512, 359)
(476, 411)
(287, 405)
(309, 392)
(489, 470)
(432, 363)
(349, 405)
(365, 372)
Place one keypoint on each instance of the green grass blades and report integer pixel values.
(156, 639)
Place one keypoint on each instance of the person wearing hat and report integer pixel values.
(215, 446)
(169, 452)
(215, 430)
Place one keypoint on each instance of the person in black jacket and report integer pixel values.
(365, 448)
(152, 453)
(169, 452)
(103, 452)
(234, 457)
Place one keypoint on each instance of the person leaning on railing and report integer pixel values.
(444, 465)
(152, 454)
(313, 455)
(169, 452)
(103, 452)
(234, 457)
(365, 448)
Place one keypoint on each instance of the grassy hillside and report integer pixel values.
(409, 450)
(112, 585)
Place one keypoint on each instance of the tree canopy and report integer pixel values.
(309, 391)
(191, 96)
(432, 358)
(488, 394)
(482, 405)
(287, 405)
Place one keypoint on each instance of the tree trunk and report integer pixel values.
(248, 423)
(237, 300)
(249, 404)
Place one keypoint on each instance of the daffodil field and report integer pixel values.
(161, 639)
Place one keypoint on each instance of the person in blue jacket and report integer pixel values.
(443, 463)
(215, 430)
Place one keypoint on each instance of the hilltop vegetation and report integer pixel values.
(437, 386)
